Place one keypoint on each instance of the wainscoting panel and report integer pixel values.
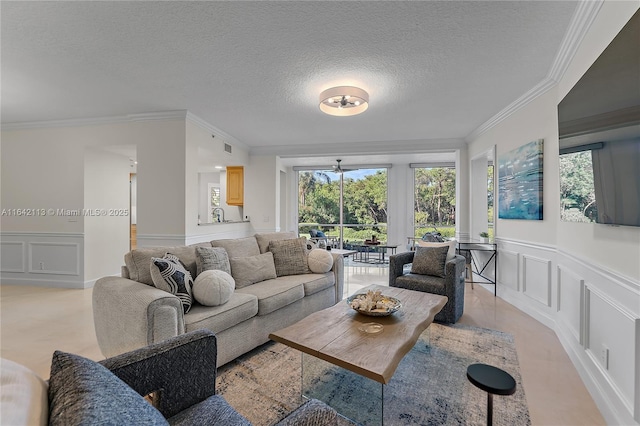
(509, 269)
(13, 257)
(536, 279)
(43, 259)
(570, 305)
(54, 258)
(610, 342)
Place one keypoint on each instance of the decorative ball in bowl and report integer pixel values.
(374, 304)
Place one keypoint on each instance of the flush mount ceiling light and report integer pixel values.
(344, 101)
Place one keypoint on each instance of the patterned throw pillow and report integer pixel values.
(430, 261)
(290, 256)
(170, 275)
(210, 258)
(83, 392)
(252, 269)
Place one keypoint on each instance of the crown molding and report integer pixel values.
(97, 121)
(519, 103)
(369, 148)
(581, 21)
(216, 131)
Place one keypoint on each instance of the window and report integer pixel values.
(434, 200)
(364, 204)
(214, 200)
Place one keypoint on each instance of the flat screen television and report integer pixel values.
(599, 131)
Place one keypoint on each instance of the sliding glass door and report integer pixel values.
(348, 207)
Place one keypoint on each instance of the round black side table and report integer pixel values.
(493, 381)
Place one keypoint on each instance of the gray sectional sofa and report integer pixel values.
(130, 312)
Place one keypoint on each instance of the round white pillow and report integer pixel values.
(213, 287)
(320, 261)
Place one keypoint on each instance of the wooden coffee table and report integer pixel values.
(333, 334)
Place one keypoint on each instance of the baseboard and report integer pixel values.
(45, 283)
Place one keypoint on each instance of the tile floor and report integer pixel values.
(36, 321)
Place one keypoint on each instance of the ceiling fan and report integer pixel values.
(338, 167)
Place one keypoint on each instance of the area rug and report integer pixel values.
(429, 387)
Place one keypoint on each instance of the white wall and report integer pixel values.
(106, 190)
(580, 279)
(262, 192)
(43, 168)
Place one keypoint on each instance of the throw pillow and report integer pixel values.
(213, 288)
(23, 396)
(83, 392)
(320, 261)
(430, 261)
(290, 256)
(451, 244)
(265, 238)
(208, 258)
(170, 275)
(238, 247)
(252, 269)
(311, 245)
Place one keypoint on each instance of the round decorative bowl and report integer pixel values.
(392, 306)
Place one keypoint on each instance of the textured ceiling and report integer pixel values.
(434, 71)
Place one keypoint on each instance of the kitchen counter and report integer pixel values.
(226, 222)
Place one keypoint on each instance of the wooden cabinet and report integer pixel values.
(235, 185)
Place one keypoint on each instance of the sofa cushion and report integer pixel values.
(238, 247)
(213, 288)
(320, 261)
(274, 294)
(424, 283)
(214, 410)
(240, 307)
(24, 399)
(290, 256)
(83, 392)
(312, 283)
(252, 269)
(170, 275)
(264, 239)
(208, 258)
(137, 261)
(430, 261)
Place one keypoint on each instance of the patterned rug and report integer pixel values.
(430, 386)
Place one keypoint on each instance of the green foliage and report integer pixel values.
(577, 193)
(435, 195)
(365, 200)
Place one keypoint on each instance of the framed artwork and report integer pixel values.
(520, 182)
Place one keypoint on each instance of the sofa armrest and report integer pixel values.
(396, 265)
(338, 273)
(311, 413)
(180, 371)
(128, 315)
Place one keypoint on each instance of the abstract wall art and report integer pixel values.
(520, 182)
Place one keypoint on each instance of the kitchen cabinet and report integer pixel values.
(235, 185)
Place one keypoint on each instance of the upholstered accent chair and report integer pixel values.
(179, 373)
(450, 283)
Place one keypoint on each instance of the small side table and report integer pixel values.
(493, 381)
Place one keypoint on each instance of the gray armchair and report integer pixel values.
(178, 375)
(452, 285)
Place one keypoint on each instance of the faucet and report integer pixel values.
(219, 210)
